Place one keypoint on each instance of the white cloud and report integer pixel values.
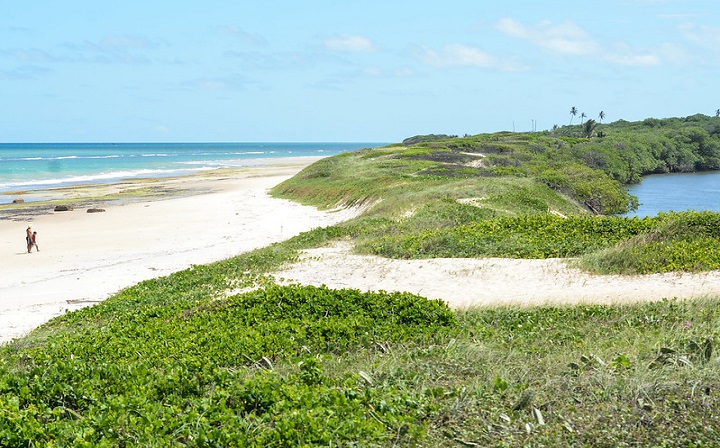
(623, 54)
(569, 39)
(564, 39)
(34, 56)
(351, 44)
(702, 35)
(288, 60)
(111, 49)
(635, 60)
(457, 55)
(374, 72)
(404, 72)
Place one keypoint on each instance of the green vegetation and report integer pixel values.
(533, 195)
(426, 138)
(587, 171)
(178, 362)
(199, 371)
(220, 355)
(183, 361)
(535, 236)
(678, 242)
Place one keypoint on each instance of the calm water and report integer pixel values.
(677, 192)
(27, 166)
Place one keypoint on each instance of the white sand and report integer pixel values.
(463, 282)
(86, 257)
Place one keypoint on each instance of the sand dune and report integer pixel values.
(463, 282)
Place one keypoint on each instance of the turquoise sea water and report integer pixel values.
(27, 166)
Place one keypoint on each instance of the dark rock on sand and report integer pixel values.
(63, 208)
(95, 210)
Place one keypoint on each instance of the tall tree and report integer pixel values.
(717, 113)
(589, 128)
(573, 112)
(601, 116)
(582, 117)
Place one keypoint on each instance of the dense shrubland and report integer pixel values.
(219, 355)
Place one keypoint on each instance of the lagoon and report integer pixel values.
(677, 192)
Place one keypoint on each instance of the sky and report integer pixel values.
(350, 71)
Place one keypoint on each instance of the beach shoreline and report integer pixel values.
(86, 257)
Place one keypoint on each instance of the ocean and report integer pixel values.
(30, 166)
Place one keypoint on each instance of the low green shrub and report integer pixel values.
(526, 236)
(187, 373)
(687, 241)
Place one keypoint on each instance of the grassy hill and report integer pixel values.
(185, 360)
(529, 195)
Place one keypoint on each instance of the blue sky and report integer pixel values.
(370, 70)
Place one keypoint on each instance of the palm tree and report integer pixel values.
(582, 117)
(573, 112)
(601, 116)
(589, 128)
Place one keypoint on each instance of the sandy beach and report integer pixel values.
(86, 257)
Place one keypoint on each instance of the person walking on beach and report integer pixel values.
(34, 241)
(29, 238)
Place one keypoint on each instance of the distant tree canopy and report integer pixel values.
(628, 150)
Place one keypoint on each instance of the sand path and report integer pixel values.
(463, 282)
